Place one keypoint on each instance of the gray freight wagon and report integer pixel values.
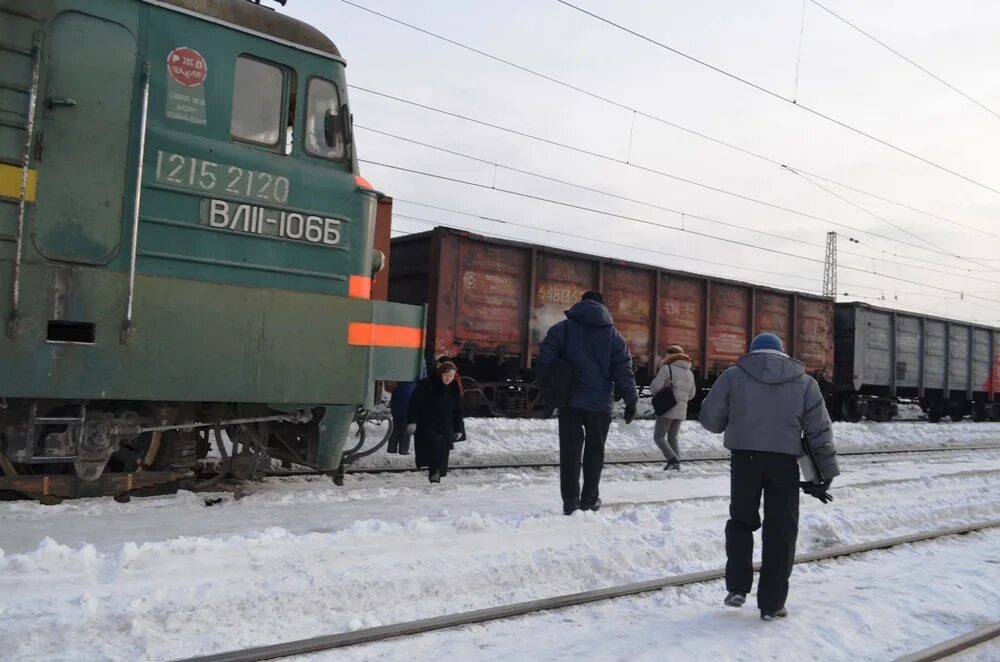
(883, 356)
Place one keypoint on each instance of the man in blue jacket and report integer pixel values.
(588, 339)
(767, 406)
(399, 441)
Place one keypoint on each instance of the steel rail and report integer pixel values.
(553, 463)
(956, 645)
(410, 628)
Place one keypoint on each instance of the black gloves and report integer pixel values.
(817, 490)
(629, 412)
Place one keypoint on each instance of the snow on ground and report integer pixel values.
(528, 440)
(878, 606)
(167, 577)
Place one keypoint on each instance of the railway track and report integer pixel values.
(411, 628)
(691, 457)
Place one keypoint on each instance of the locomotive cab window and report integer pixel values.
(324, 132)
(258, 93)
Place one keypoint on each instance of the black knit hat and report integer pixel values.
(593, 296)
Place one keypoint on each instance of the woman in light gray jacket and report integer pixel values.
(675, 373)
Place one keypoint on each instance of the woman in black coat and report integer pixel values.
(434, 418)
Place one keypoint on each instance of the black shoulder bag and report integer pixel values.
(557, 379)
(665, 400)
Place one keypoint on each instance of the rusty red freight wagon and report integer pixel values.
(491, 301)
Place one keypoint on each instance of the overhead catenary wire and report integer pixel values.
(577, 235)
(780, 97)
(681, 213)
(655, 118)
(895, 52)
(727, 240)
(886, 221)
(780, 286)
(605, 157)
(483, 217)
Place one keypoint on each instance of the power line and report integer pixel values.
(782, 286)
(592, 189)
(682, 214)
(569, 205)
(780, 97)
(904, 58)
(636, 112)
(888, 222)
(603, 242)
(600, 241)
(903, 206)
(605, 157)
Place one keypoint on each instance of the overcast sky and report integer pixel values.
(841, 74)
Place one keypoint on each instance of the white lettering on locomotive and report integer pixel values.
(252, 219)
(219, 178)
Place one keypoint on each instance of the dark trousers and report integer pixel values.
(776, 476)
(399, 440)
(586, 431)
(438, 448)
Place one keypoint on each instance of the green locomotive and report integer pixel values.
(185, 246)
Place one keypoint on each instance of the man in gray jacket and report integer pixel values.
(767, 406)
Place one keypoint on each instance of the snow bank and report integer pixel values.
(460, 548)
(524, 440)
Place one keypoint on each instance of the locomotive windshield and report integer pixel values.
(257, 92)
(324, 135)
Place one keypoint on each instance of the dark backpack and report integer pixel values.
(665, 400)
(557, 379)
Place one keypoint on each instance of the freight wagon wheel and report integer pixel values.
(853, 409)
(933, 416)
(978, 412)
(956, 416)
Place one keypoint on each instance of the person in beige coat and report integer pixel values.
(675, 373)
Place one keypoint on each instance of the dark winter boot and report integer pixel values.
(735, 599)
(435, 476)
(771, 615)
(592, 506)
(673, 465)
(570, 507)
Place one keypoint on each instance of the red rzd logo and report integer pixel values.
(187, 66)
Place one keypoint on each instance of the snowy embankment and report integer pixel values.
(167, 577)
(878, 606)
(496, 440)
